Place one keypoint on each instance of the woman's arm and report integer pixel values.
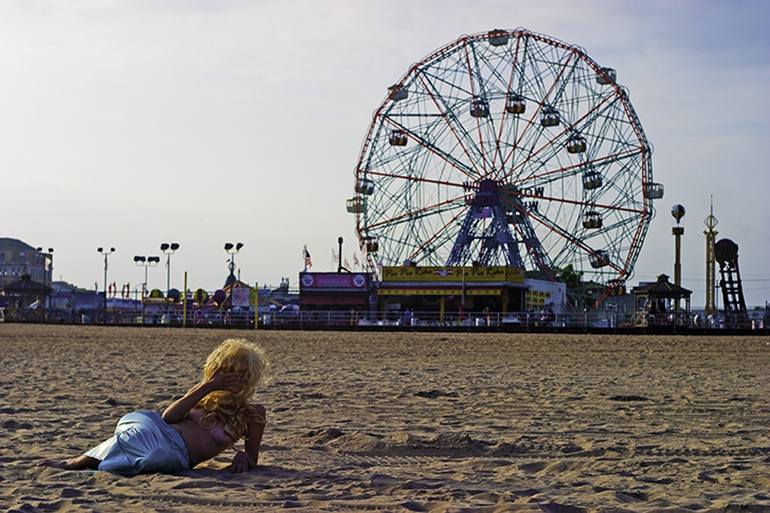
(219, 381)
(248, 460)
(254, 435)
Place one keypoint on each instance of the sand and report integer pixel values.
(405, 422)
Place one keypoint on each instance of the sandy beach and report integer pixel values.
(405, 422)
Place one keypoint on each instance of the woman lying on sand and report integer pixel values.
(210, 418)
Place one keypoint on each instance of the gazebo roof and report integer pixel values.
(662, 288)
(235, 283)
(26, 285)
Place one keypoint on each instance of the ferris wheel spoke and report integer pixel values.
(620, 190)
(572, 169)
(488, 92)
(436, 235)
(537, 111)
(594, 112)
(558, 230)
(420, 212)
(482, 153)
(514, 63)
(449, 159)
(433, 72)
(416, 179)
(605, 231)
(564, 81)
(448, 116)
(636, 240)
(578, 203)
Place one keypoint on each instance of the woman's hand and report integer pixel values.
(230, 381)
(240, 463)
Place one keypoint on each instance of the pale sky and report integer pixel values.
(129, 123)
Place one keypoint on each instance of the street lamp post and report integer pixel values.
(146, 262)
(106, 252)
(232, 250)
(168, 248)
(339, 255)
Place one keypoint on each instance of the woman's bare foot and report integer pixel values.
(80, 463)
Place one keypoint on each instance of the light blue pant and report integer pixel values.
(143, 443)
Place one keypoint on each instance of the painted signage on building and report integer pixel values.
(438, 292)
(355, 281)
(452, 274)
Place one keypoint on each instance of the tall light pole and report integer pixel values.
(232, 250)
(106, 253)
(146, 262)
(168, 248)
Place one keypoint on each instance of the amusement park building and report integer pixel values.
(453, 289)
(336, 291)
(18, 258)
(430, 289)
(441, 289)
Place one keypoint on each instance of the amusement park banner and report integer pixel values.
(452, 274)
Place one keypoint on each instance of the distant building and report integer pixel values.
(455, 289)
(336, 291)
(545, 294)
(66, 297)
(18, 258)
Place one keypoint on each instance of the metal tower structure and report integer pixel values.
(711, 235)
(726, 253)
(501, 208)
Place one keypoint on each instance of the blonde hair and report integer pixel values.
(247, 359)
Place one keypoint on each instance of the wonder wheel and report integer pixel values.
(506, 148)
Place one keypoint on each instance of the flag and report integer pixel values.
(355, 261)
(308, 260)
(334, 258)
(347, 264)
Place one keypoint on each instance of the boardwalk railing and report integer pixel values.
(335, 319)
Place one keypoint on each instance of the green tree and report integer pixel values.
(568, 275)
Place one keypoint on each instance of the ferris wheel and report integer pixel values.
(506, 148)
